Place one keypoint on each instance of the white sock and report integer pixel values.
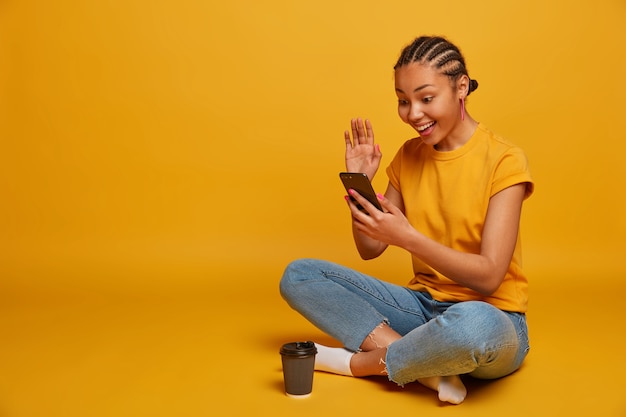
(334, 360)
(450, 388)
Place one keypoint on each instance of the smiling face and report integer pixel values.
(430, 102)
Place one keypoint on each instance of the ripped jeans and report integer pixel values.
(438, 338)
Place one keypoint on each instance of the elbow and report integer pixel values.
(370, 253)
(366, 256)
(490, 284)
(487, 290)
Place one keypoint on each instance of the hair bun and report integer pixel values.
(473, 85)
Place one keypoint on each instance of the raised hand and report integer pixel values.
(362, 154)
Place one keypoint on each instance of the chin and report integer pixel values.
(429, 140)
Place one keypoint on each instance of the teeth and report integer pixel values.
(422, 128)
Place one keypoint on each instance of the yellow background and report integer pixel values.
(161, 162)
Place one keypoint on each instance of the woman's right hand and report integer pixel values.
(362, 155)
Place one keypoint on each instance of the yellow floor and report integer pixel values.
(154, 155)
(182, 347)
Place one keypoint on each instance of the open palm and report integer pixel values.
(362, 154)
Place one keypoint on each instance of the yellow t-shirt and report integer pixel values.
(446, 196)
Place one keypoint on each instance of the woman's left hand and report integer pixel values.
(389, 226)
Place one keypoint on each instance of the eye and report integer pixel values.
(402, 102)
(427, 99)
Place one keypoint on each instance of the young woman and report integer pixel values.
(454, 202)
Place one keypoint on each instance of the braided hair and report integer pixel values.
(438, 52)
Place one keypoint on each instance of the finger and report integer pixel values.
(351, 202)
(360, 127)
(346, 135)
(356, 213)
(369, 131)
(363, 202)
(355, 133)
(387, 205)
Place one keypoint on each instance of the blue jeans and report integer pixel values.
(438, 338)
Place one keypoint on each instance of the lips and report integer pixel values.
(425, 129)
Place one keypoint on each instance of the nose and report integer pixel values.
(415, 112)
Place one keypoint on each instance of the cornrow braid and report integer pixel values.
(438, 52)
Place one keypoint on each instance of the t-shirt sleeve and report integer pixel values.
(511, 170)
(393, 170)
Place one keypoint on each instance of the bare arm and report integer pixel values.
(482, 272)
(363, 155)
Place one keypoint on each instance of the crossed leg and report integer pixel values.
(371, 361)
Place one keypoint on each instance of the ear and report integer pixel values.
(462, 86)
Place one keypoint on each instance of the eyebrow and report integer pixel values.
(421, 87)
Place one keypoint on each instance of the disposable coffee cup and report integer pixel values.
(298, 362)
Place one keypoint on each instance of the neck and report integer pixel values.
(459, 136)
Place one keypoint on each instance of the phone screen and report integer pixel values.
(359, 182)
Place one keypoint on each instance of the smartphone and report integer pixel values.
(359, 182)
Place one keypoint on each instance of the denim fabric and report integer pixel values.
(439, 338)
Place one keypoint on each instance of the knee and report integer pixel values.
(473, 313)
(295, 273)
(481, 324)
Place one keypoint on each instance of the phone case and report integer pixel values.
(359, 182)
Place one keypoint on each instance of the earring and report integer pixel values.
(462, 108)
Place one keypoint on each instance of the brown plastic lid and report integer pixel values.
(298, 349)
